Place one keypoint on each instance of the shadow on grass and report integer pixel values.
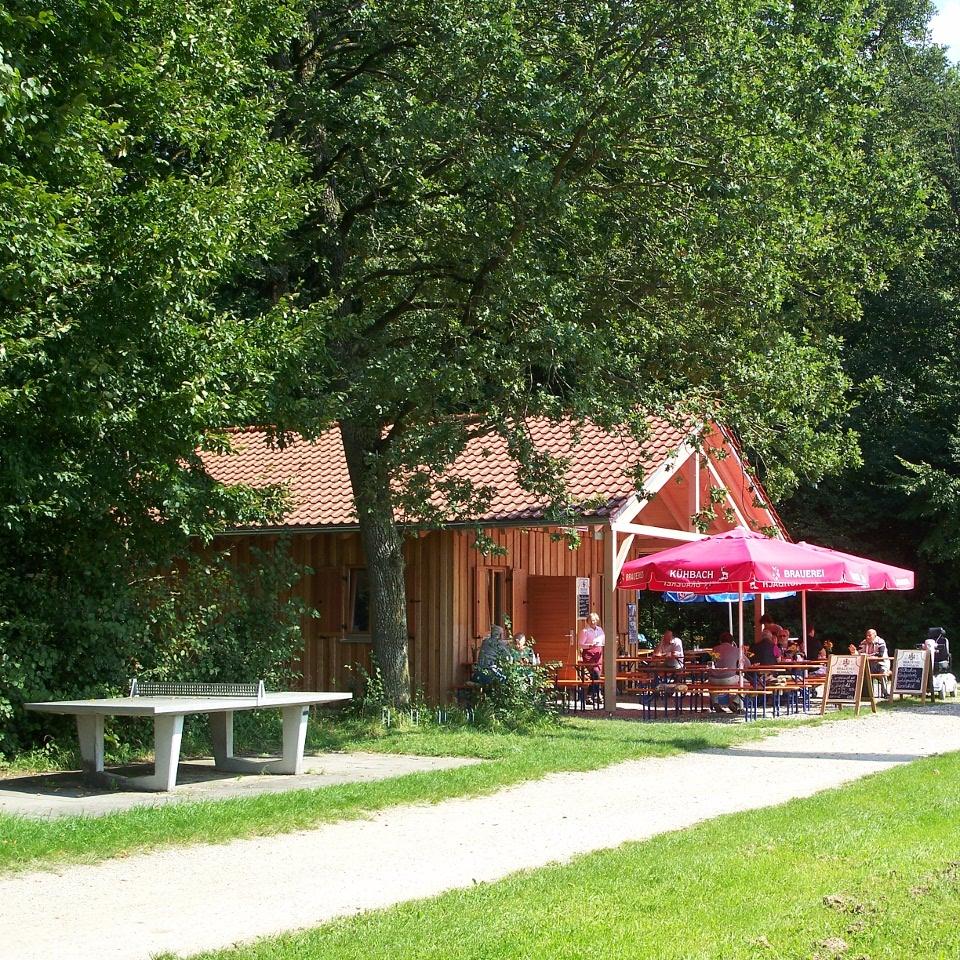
(817, 755)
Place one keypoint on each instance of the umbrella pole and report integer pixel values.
(803, 620)
(741, 619)
(730, 615)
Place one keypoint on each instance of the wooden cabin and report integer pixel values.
(455, 592)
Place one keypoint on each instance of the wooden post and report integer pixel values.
(803, 620)
(610, 574)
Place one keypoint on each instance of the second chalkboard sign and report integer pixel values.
(912, 674)
(843, 688)
(848, 681)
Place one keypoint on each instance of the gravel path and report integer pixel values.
(190, 899)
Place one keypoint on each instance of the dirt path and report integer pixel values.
(190, 899)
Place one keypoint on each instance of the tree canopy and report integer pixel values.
(137, 178)
(422, 222)
(584, 210)
(901, 503)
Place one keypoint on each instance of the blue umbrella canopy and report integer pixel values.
(720, 597)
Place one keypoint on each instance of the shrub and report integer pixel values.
(211, 619)
(520, 694)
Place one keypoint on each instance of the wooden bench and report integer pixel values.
(465, 694)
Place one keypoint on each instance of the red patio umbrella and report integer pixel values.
(880, 576)
(746, 562)
(743, 561)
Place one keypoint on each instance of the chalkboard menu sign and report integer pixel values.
(843, 684)
(843, 688)
(912, 674)
(583, 597)
(848, 681)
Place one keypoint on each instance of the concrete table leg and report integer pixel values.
(90, 734)
(294, 738)
(221, 730)
(167, 734)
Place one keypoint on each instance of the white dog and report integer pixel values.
(944, 685)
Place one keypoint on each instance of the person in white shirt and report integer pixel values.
(671, 649)
(591, 642)
(874, 646)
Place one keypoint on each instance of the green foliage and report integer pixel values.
(137, 177)
(210, 619)
(221, 620)
(519, 695)
(900, 505)
(424, 222)
(525, 209)
(590, 210)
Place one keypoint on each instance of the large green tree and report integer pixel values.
(901, 352)
(137, 177)
(586, 209)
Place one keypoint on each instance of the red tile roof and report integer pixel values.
(600, 465)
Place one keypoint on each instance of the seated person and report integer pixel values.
(875, 649)
(523, 650)
(728, 660)
(765, 652)
(874, 646)
(671, 649)
(493, 650)
(792, 654)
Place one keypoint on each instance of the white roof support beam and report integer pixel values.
(622, 552)
(733, 503)
(658, 533)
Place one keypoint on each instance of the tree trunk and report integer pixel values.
(383, 546)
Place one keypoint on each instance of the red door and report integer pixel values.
(552, 617)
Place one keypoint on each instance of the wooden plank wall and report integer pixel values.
(530, 552)
(441, 576)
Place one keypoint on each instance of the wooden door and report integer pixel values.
(552, 617)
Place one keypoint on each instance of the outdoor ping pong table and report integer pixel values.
(219, 701)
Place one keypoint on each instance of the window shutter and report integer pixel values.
(328, 599)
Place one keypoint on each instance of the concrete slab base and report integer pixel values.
(66, 794)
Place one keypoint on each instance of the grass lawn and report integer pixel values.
(513, 757)
(864, 872)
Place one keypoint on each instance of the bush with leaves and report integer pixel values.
(210, 619)
(519, 694)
